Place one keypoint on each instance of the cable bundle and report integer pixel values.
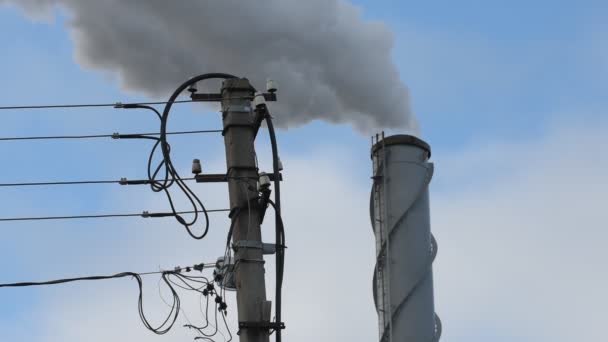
(171, 174)
(161, 177)
(171, 279)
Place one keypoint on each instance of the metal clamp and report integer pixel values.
(245, 260)
(267, 248)
(261, 325)
(216, 97)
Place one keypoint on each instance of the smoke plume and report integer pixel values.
(329, 62)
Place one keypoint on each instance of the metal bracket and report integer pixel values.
(251, 261)
(238, 109)
(261, 325)
(216, 97)
(218, 177)
(267, 248)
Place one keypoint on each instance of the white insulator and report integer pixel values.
(280, 165)
(264, 180)
(193, 88)
(271, 86)
(259, 100)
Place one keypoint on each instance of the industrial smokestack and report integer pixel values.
(405, 247)
(329, 63)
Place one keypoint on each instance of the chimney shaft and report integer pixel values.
(405, 247)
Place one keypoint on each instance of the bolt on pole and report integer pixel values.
(239, 136)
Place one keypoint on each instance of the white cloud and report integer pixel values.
(521, 254)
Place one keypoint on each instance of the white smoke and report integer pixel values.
(330, 64)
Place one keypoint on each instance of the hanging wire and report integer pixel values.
(175, 306)
(171, 176)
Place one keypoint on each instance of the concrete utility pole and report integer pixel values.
(238, 121)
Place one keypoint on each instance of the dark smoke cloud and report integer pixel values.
(330, 64)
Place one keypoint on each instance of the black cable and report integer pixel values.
(122, 182)
(171, 318)
(160, 329)
(114, 135)
(144, 214)
(226, 325)
(207, 293)
(206, 311)
(59, 183)
(69, 280)
(279, 228)
(171, 174)
(167, 182)
(116, 105)
(138, 106)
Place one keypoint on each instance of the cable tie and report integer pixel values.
(145, 214)
(199, 267)
(115, 135)
(177, 269)
(123, 181)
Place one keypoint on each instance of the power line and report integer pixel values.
(123, 181)
(114, 135)
(178, 269)
(144, 214)
(115, 104)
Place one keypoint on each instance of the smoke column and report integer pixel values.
(329, 62)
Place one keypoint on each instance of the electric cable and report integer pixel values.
(160, 294)
(145, 214)
(115, 104)
(164, 327)
(175, 307)
(166, 182)
(113, 135)
(197, 283)
(171, 174)
(262, 110)
(86, 105)
(226, 325)
(123, 181)
(279, 228)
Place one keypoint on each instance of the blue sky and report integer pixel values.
(511, 95)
